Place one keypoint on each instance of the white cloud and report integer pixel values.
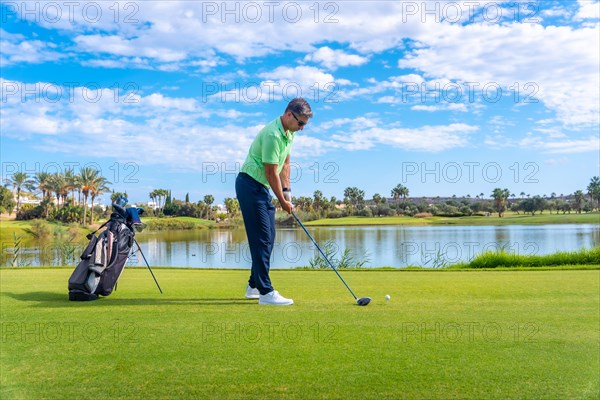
(566, 81)
(568, 146)
(119, 46)
(184, 31)
(17, 48)
(556, 11)
(284, 83)
(388, 100)
(588, 10)
(175, 132)
(364, 133)
(351, 124)
(332, 59)
(441, 107)
(402, 87)
(554, 133)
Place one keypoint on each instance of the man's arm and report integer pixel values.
(285, 173)
(284, 176)
(275, 183)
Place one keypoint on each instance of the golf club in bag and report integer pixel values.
(362, 301)
(105, 256)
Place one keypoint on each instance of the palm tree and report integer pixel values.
(158, 195)
(20, 181)
(42, 181)
(88, 176)
(377, 198)
(60, 186)
(152, 196)
(319, 200)
(71, 179)
(233, 206)
(594, 191)
(400, 191)
(162, 196)
(579, 199)
(500, 196)
(208, 199)
(97, 186)
(353, 197)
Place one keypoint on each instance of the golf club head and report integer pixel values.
(363, 301)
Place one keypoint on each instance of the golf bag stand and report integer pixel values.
(148, 265)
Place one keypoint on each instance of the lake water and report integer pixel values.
(395, 246)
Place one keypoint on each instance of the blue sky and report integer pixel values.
(446, 98)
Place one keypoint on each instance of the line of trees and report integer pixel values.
(355, 204)
(168, 206)
(89, 184)
(58, 190)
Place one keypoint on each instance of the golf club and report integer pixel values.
(362, 301)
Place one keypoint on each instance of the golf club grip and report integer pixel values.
(323, 254)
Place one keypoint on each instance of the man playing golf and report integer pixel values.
(268, 166)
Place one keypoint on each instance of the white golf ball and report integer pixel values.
(387, 297)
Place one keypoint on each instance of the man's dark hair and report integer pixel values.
(299, 106)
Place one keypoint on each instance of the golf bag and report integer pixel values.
(104, 258)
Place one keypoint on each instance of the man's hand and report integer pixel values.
(287, 206)
(287, 194)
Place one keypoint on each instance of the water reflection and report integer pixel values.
(397, 246)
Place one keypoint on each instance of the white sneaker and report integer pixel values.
(275, 299)
(252, 293)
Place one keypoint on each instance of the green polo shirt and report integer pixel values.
(271, 146)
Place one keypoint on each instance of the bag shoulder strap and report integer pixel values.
(90, 235)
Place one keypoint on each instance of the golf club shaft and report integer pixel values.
(324, 256)
(148, 265)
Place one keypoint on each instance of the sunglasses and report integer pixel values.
(300, 123)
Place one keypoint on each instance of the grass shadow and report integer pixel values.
(59, 300)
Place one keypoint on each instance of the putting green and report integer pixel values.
(463, 334)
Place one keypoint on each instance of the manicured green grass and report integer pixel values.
(352, 221)
(508, 219)
(175, 223)
(451, 334)
(9, 228)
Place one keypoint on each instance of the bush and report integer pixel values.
(7, 202)
(502, 258)
(465, 210)
(384, 210)
(335, 214)
(444, 210)
(408, 209)
(69, 213)
(29, 211)
(170, 223)
(365, 212)
(423, 215)
(40, 229)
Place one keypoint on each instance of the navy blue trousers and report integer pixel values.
(259, 219)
